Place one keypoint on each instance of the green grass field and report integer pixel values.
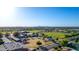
(34, 31)
(55, 34)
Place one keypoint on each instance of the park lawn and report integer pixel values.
(55, 34)
(34, 31)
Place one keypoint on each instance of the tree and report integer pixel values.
(67, 36)
(39, 43)
(16, 34)
(57, 48)
(45, 36)
(7, 34)
(42, 34)
(1, 41)
(76, 40)
(1, 35)
(56, 38)
(64, 42)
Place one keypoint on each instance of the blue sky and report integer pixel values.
(44, 16)
(48, 16)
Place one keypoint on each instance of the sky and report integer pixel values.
(40, 16)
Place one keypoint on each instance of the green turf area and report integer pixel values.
(55, 34)
(33, 31)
